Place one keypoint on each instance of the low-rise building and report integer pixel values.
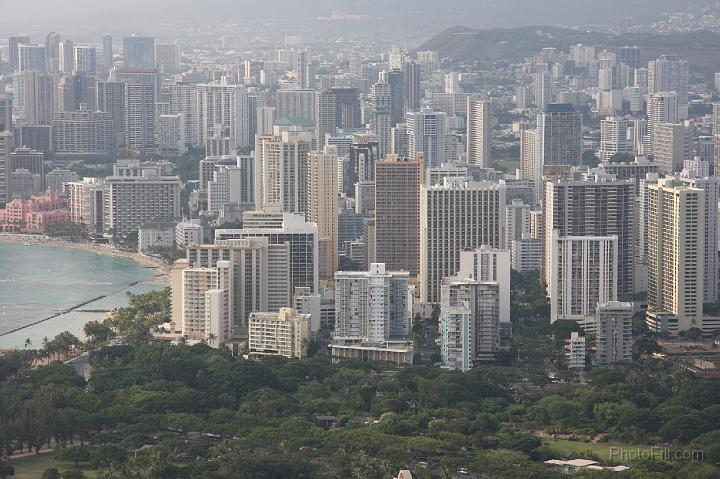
(286, 333)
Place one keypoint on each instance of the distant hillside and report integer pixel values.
(701, 48)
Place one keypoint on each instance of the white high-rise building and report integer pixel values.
(265, 120)
(676, 252)
(322, 207)
(583, 273)
(183, 100)
(171, 135)
(455, 215)
(86, 204)
(669, 141)
(669, 73)
(281, 163)
(285, 333)
(517, 220)
(711, 186)
(381, 115)
(614, 138)
(372, 307)
(614, 332)
(207, 295)
(427, 130)
(295, 106)
(469, 322)
(224, 188)
(662, 107)
(479, 145)
(486, 264)
(224, 114)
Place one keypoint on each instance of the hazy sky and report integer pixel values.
(78, 16)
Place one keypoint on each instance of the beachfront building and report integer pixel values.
(33, 215)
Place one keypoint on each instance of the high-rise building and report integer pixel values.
(139, 121)
(381, 115)
(583, 272)
(560, 135)
(27, 159)
(6, 112)
(669, 73)
(286, 333)
(676, 251)
(281, 169)
(486, 264)
(85, 58)
(206, 296)
(669, 142)
(132, 201)
(469, 322)
(372, 307)
(614, 332)
(111, 99)
(337, 107)
(295, 106)
(107, 53)
(427, 130)
(517, 222)
(614, 138)
(662, 107)
(364, 152)
(66, 55)
(413, 93)
(31, 58)
(139, 51)
(183, 100)
(322, 207)
(281, 228)
(479, 145)
(595, 205)
(397, 212)
(6, 144)
(223, 112)
(260, 275)
(711, 186)
(171, 135)
(52, 52)
(543, 89)
(86, 204)
(456, 215)
(167, 58)
(83, 132)
(40, 97)
(13, 50)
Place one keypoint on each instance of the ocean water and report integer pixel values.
(39, 281)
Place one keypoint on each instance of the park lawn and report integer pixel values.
(33, 467)
(565, 448)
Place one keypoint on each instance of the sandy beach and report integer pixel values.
(163, 268)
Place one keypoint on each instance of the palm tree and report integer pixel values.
(27, 343)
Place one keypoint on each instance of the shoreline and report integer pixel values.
(146, 261)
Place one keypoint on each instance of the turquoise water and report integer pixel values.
(38, 281)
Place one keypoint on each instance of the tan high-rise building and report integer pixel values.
(397, 212)
(676, 250)
(478, 133)
(86, 204)
(281, 169)
(322, 207)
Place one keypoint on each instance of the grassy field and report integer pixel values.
(603, 451)
(33, 467)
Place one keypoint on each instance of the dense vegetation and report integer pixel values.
(156, 410)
